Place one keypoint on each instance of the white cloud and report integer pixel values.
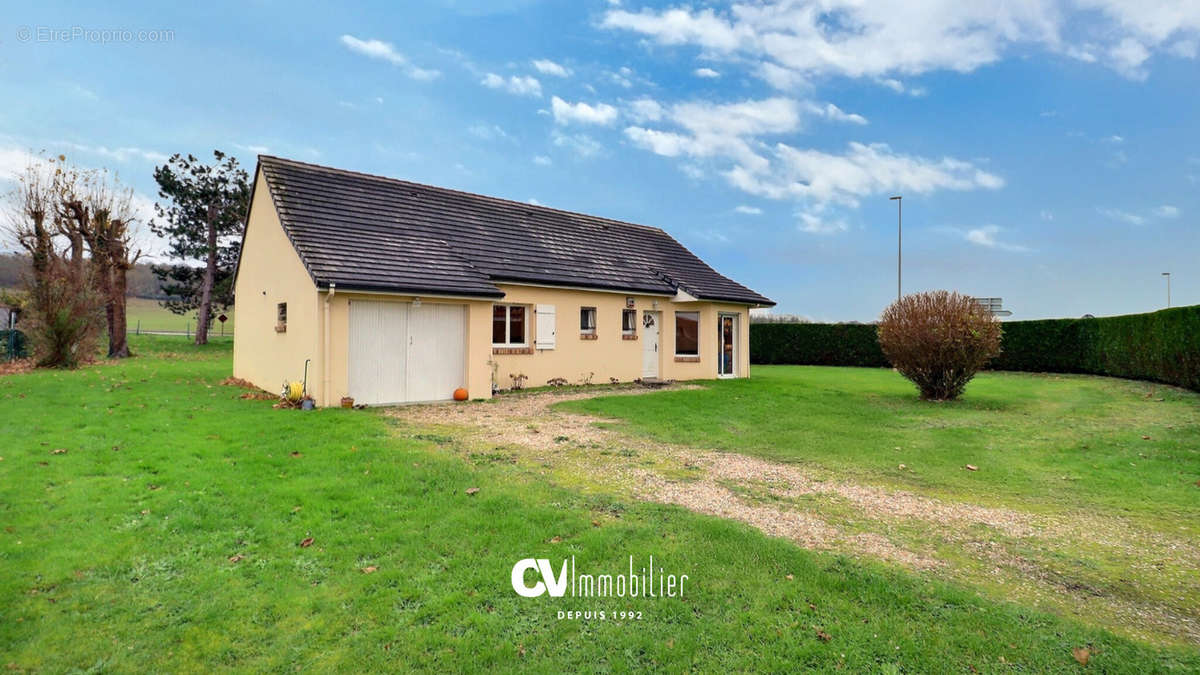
(385, 51)
(646, 110)
(707, 73)
(542, 160)
(1128, 57)
(520, 85)
(582, 113)
(831, 112)
(735, 136)
(488, 132)
(748, 210)
(901, 88)
(986, 236)
(812, 38)
(1123, 216)
(548, 67)
(863, 170)
(116, 154)
(1167, 211)
(582, 145)
(1185, 49)
(1047, 216)
(815, 223)
(533, 201)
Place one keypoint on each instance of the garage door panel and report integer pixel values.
(378, 359)
(436, 351)
(401, 353)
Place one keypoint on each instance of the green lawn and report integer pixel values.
(149, 315)
(1040, 442)
(115, 554)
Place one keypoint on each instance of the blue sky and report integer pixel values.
(1048, 151)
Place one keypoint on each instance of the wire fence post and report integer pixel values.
(139, 327)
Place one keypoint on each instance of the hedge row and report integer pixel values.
(1161, 346)
(816, 344)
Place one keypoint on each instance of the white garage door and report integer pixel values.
(400, 353)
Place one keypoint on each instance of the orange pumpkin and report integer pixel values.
(460, 394)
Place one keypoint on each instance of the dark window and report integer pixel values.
(508, 325)
(687, 333)
(516, 325)
(629, 321)
(499, 324)
(281, 314)
(587, 319)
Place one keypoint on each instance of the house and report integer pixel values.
(388, 291)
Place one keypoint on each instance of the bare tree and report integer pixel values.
(63, 307)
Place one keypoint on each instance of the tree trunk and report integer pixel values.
(118, 330)
(210, 272)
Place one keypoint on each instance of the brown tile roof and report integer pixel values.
(366, 232)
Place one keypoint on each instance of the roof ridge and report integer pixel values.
(437, 188)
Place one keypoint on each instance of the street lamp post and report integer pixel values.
(1168, 276)
(899, 238)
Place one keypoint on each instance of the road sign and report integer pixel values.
(222, 318)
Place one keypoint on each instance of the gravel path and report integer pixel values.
(1020, 554)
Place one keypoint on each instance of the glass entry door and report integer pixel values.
(727, 334)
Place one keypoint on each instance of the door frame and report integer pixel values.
(657, 315)
(721, 316)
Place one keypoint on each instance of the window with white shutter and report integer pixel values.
(545, 327)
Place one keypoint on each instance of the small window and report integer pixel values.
(508, 325)
(281, 317)
(629, 321)
(687, 333)
(587, 320)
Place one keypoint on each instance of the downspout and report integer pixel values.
(325, 394)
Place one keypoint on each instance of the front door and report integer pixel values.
(726, 343)
(650, 321)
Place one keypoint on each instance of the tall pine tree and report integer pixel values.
(201, 217)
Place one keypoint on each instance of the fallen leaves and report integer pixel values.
(58, 451)
(306, 542)
(472, 490)
(369, 569)
(236, 558)
(1082, 655)
(823, 636)
(790, 577)
(1145, 438)
(555, 539)
(972, 467)
(902, 467)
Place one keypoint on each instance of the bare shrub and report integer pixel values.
(938, 340)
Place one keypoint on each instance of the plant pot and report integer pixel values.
(347, 401)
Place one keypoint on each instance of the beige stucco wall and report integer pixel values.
(318, 326)
(609, 355)
(573, 358)
(270, 273)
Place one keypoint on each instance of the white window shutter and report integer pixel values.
(545, 327)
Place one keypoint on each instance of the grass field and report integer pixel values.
(149, 315)
(1051, 442)
(152, 520)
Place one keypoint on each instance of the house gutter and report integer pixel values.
(325, 395)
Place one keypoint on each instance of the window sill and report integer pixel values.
(629, 336)
(587, 336)
(512, 350)
(686, 359)
(280, 328)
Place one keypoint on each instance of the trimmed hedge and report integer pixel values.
(816, 344)
(1161, 346)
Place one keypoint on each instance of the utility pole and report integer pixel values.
(899, 238)
(1168, 276)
